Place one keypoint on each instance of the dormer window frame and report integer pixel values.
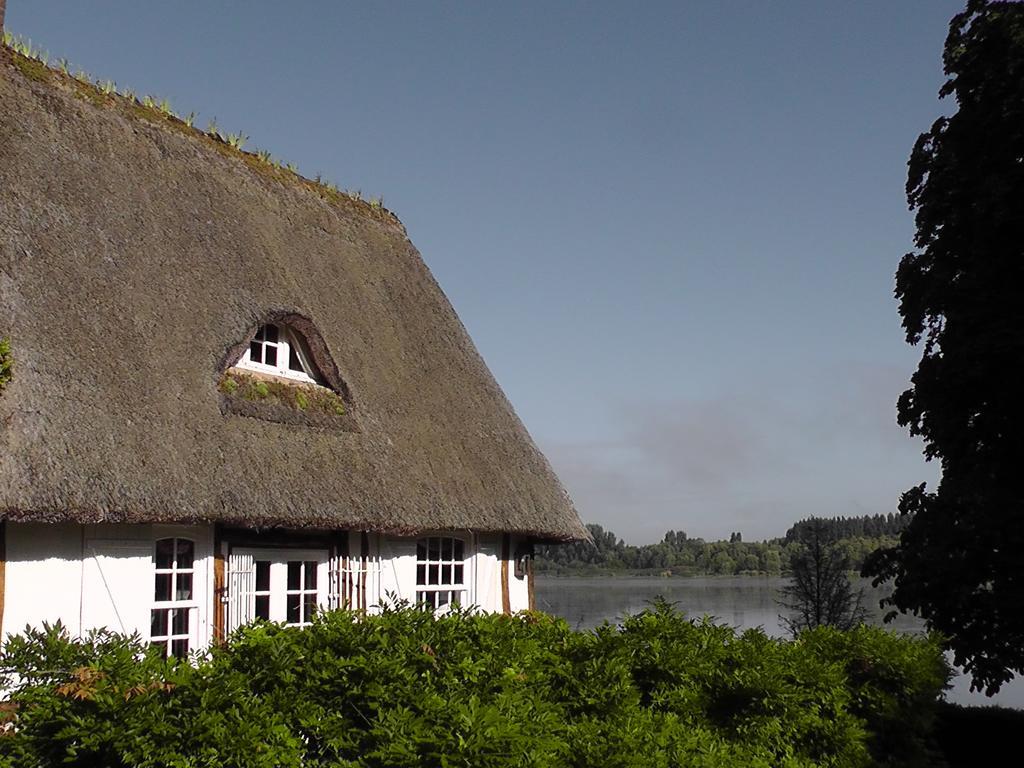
(278, 346)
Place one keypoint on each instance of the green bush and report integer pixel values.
(404, 689)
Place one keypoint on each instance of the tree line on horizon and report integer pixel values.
(678, 554)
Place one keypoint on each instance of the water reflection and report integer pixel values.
(744, 602)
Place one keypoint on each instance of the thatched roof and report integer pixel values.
(136, 259)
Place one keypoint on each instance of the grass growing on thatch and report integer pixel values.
(6, 363)
(34, 64)
(301, 397)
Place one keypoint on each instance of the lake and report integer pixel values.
(744, 602)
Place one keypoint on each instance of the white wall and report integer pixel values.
(93, 576)
(518, 589)
(43, 576)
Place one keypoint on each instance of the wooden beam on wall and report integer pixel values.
(529, 584)
(219, 588)
(506, 553)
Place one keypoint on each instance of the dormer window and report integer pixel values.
(279, 351)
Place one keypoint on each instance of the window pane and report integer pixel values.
(294, 574)
(184, 590)
(421, 550)
(261, 333)
(262, 575)
(293, 359)
(186, 550)
(435, 549)
(163, 587)
(443, 598)
(158, 623)
(179, 621)
(458, 575)
(164, 553)
(457, 597)
(293, 604)
(263, 607)
(179, 648)
(270, 333)
(310, 574)
(432, 574)
(308, 607)
(446, 549)
(421, 574)
(458, 550)
(270, 355)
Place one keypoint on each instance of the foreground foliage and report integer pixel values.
(958, 564)
(406, 689)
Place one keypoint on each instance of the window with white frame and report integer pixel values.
(174, 613)
(440, 571)
(280, 351)
(301, 594)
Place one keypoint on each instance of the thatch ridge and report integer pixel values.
(35, 68)
(134, 259)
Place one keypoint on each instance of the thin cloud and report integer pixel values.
(743, 461)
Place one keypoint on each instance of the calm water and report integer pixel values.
(741, 601)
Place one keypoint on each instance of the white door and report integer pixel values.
(285, 585)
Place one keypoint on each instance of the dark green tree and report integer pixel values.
(819, 592)
(959, 562)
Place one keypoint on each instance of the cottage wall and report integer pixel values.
(94, 576)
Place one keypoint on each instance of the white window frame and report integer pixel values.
(174, 606)
(288, 341)
(447, 589)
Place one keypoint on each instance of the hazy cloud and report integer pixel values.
(745, 461)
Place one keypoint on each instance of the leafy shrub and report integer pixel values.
(405, 689)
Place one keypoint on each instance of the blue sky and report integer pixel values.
(670, 228)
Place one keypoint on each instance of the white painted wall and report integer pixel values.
(43, 576)
(93, 576)
(518, 589)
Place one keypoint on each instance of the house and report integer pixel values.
(236, 393)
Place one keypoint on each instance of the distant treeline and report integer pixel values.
(678, 554)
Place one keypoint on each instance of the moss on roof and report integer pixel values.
(6, 363)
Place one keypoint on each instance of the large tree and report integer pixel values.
(960, 562)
